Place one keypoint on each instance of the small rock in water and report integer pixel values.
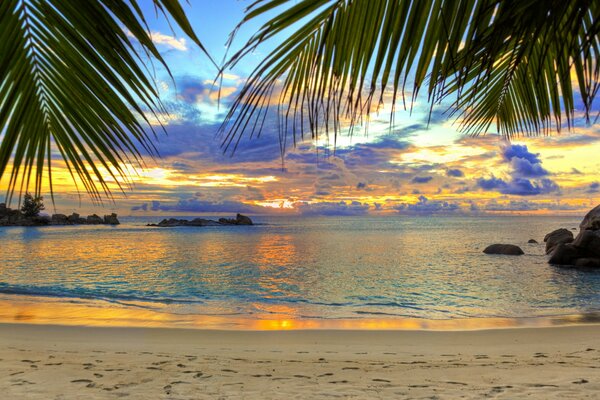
(505, 249)
(532, 241)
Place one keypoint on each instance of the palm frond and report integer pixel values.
(507, 62)
(74, 81)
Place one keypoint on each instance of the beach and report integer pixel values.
(73, 362)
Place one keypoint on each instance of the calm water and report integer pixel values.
(294, 269)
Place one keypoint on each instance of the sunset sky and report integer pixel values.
(412, 168)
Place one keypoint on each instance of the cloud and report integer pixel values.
(193, 205)
(594, 188)
(524, 165)
(341, 208)
(361, 185)
(526, 205)
(169, 41)
(165, 40)
(518, 186)
(456, 173)
(426, 206)
(421, 179)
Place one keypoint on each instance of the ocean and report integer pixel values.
(291, 271)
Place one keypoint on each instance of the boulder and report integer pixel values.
(74, 218)
(59, 219)
(588, 262)
(591, 221)
(532, 241)
(565, 254)
(111, 219)
(589, 242)
(94, 220)
(41, 220)
(557, 237)
(506, 249)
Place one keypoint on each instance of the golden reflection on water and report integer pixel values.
(34, 310)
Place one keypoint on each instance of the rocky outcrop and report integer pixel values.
(505, 249)
(583, 250)
(559, 236)
(239, 220)
(111, 219)
(10, 217)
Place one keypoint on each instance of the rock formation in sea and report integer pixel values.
(10, 217)
(506, 249)
(238, 220)
(581, 251)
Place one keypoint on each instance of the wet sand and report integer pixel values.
(60, 362)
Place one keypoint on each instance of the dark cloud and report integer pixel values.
(525, 165)
(422, 179)
(333, 208)
(143, 207)
(426, 206)
(594, 188)
(361, 185)
(520, 151)
(457, 173)
(518, 186)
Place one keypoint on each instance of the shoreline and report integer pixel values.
(45, 361)
(39, 310)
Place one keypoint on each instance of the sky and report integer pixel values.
(414, 168)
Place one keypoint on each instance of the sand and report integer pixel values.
(59, 362)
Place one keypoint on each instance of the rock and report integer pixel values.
(589, 241)
(111, 219)
(41, 220)
(588, 262)
(3, 210)
(59, 219)
(557, 237)
(532, 241)
(591, 221)
(506, 249)
(564, 254)
(202, 222)
(94, 220)
(74, 218)
(243, 220)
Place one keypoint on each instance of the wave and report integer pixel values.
(87, 294)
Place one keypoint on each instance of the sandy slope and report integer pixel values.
(53, 362)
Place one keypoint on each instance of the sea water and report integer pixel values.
(294, 269)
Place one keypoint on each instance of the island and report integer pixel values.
(238, 220)
(10, 217)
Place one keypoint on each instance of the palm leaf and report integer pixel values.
(74, 81)
(507, 62)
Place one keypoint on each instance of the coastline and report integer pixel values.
(37, 310)
(49, 361)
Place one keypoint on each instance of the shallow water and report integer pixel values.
(296, 269)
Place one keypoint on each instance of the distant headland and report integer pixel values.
(10, 217)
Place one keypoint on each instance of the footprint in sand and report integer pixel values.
(229, 370)
(581, 381)
(82, 381)
(325, 374)
(381, 380)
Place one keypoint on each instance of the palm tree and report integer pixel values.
(503, 62)
(74, 74)
(519, 64)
